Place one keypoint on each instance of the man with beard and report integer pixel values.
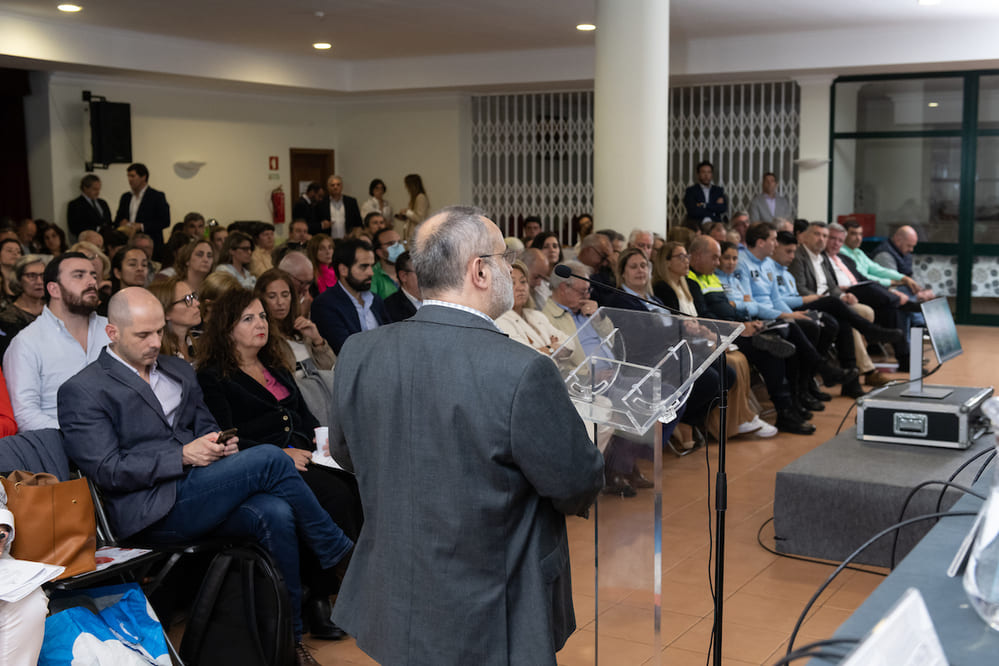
(349, 307)
(62, 341)
(468, 483)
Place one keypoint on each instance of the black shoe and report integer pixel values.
(787, 422)
(618, 485)
(808, 401)
(853, 389)
(638, 480)
(303, 657)
(876, 333)
(774, 345)
(833, 375)
(316, 617)
(816, 392)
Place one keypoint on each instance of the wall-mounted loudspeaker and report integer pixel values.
(110, 132)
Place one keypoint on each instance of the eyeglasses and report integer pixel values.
(188, 300)
(244, 247)
(509, 256)
(685, 257)
(32, 276)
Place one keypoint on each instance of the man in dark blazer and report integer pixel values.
(136, 424)
(88, 211)
(153, 212)
(465, 486)
(406, 300)
(337, 214)
(305, 207)
(349, 306)
(703, 200)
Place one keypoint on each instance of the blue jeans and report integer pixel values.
(258, 495)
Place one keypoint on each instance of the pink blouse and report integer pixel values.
(326, 278)
(276, 388)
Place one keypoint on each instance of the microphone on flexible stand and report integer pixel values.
(564, 271)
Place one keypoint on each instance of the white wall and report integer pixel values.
(235, 133)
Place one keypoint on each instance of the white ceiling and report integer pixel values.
(374, 29)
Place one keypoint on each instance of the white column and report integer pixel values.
(813, 147)
(631, 91)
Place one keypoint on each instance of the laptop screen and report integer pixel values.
(940, 326)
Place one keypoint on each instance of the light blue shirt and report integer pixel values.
(735, 291)
(166, 390)
(759, 280)
(787, 286)
(40, 358)
(364, 313)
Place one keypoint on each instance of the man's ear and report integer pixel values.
(112, 332)
(478, 273)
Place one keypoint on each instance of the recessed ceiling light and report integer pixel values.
(586, 27)
(322, 46)
(933, 105)
(69, 8)
(927, 3)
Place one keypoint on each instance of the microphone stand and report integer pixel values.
(721, 478)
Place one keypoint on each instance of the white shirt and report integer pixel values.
(463, 308)
(133, 205)
(821, 283)
(417, 303)
(338, 219)
(363, 307)
(541, 294)
(166, 390)
(40, 358)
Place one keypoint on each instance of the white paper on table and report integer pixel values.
(18, 578)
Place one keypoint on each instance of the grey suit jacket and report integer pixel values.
(468, 454)
(116, 432)
(804, 274)
(760, 212)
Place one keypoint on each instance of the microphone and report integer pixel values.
(564, 271)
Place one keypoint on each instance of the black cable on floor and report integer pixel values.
(854, 554)
(759, 540)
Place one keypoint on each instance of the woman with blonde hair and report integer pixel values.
(182, 312)
(419, 205)
(194, 262)
(320, 251)
(213, 288)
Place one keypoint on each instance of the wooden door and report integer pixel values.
(308, 165)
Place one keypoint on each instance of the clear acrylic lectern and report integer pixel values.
(630, 371)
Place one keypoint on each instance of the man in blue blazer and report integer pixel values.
(136, 424)
(349, 306)
(703, 200)
(88, 211)
(152, 212)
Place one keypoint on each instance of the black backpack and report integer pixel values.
(242, 614)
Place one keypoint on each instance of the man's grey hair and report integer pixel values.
(593, 240)
(533, 258)
(576, 267)
(441, 254)
(295, 261)
(633, 236)
(836, 226)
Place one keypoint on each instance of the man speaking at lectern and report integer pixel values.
(463, 558)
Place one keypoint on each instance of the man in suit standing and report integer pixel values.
(337, 214)
(466, 487)
(305, 207)
(767, 206)
(704, 201)
(136, 423)
(349, 306)
(88, 211)
(143, 207)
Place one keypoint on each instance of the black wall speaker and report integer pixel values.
(110, 132)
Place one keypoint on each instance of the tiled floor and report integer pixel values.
(763, 593)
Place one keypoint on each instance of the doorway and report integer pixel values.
(309, 165)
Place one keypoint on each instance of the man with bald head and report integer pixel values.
(596, 251)
(469, 481)
(137, 425)
(299, 267)
(896, 253)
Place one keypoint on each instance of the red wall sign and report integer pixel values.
(272, 162)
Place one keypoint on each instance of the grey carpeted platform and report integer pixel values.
(831, 500)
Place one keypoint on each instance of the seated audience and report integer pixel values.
(537, 277)
(387, 246)
(102, 266)
(532, 227)
(235, 258)
(246, 376)
(182, 313)
(213, 288)
(136, 424)
(263, 241)
(217, 237)
(129, 268)
(194, 226)
(59, 343)
(52, 241)
(641, 239)
(26, 229)
(194, 263)
(145, 242)
(524, 324)
(547, 242)
(349, 307)
(404, 303)
(275, 289)
(10, 252)
(298, 266)
(298, 234)
(91, 236)
(320, 251)
(30, 301)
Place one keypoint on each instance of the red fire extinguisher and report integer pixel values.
(277, 205)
